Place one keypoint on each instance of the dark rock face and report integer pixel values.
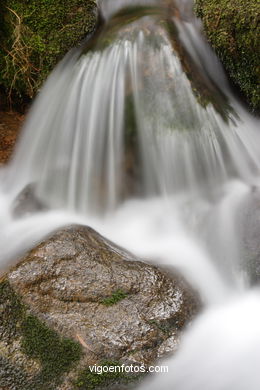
(27, 202)
(88, 290)
(251, 237)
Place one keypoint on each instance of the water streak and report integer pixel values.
(139, 136)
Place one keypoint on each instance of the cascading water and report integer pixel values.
(138, 135)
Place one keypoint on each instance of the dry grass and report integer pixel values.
(18, 57)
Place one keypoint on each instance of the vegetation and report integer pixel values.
(12, 311)
(116, 296)
(55, 354)
(35, 35)
(232, 28)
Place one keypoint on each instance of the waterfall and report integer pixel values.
(138, 135)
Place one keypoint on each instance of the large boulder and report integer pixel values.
(78, 300)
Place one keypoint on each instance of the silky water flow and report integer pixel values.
(138, 135)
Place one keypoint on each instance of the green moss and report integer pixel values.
(56, 354)
(88, 380)
(35, 35)
(11, 310)
(204, 88)
(232, 28)
(116, 296)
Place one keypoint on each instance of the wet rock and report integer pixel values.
(91, 293)
(251, 236)
(27, 202)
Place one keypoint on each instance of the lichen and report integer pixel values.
(232, 28)
(12, 377)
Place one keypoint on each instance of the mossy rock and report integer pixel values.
(232, 27)
(77, 301)
(33, 356)
(35, 35)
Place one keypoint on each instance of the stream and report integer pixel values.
(138, 134)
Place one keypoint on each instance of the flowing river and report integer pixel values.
(138, 135)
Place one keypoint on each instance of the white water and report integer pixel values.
(178, 200)
(220, 352)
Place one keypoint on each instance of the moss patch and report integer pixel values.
(116, 296)
(12, 311)
(56, 354)
(35, 35)
(232, 27)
